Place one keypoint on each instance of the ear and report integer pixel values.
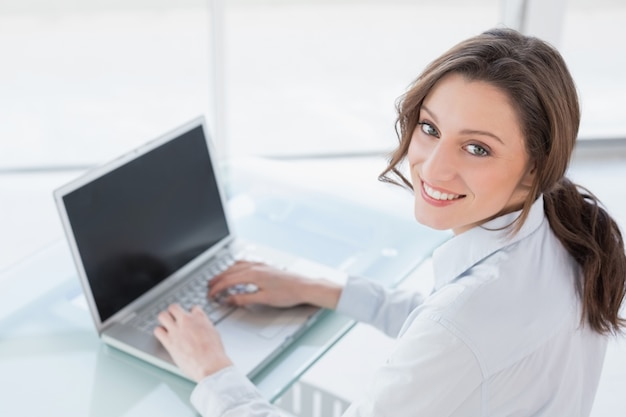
(529, 176)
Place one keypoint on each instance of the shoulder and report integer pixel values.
(511, 302)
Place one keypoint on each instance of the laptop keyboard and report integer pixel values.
(191, 293)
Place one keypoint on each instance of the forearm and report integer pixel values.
(228, 393)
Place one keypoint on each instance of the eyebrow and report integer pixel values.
(464, 131)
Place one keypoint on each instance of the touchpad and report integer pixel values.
(268, 322)
(273, 320)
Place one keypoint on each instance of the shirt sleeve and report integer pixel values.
(370, 302)
(228, 393)
(429, 373)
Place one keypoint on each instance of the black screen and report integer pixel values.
(138, 224)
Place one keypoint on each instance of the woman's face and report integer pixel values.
(467, 156)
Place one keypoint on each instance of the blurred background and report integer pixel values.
(84, 80)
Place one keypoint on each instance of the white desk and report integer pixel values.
(52, 362)
(75, 374)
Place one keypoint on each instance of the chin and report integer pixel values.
(428, 221)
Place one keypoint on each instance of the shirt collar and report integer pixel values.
(460, 253)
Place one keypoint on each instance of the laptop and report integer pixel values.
(151, 228)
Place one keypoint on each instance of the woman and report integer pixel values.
(526, 292)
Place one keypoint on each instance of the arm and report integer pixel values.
(430, 373)
(428, 360)
(361, 299)
(228, 393)
(372, 303)
(275, 287)
(195, 346)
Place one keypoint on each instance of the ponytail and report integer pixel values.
(593, 238)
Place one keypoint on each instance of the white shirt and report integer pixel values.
(500, 335)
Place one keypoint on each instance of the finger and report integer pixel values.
(225, 282)
(176, 311)
(245, 299)
(162, 336)
(235, 268)
(165, 319)
(197, 311)
(200, 316)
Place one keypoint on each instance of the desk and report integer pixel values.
(52, 362)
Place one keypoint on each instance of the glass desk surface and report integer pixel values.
(52, 362)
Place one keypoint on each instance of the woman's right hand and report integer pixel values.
(274, 287)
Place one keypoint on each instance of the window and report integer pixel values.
(311, 78)
(84, 81)
(592, 44)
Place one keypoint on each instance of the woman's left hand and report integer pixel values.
(192, 341)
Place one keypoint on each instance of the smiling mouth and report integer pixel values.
(438, 195)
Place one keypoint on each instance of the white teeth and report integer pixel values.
(438, 195)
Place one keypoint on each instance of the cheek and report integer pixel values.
(415, 153)
(497, 186)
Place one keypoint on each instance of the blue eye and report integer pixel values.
(477, 150)
(429, 129)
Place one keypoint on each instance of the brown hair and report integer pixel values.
(536, 79)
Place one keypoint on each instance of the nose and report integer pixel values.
(440, 162)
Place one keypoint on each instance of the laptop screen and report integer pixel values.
(141, 222)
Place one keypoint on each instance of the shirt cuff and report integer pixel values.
(357, 298)
(223, 391)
